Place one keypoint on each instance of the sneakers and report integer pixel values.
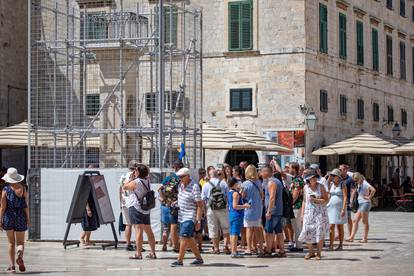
(176, 264)
(236, 256)
(197, 262)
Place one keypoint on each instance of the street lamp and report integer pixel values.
(311, 120)
(396, 130)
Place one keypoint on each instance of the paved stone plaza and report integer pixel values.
(390, 251)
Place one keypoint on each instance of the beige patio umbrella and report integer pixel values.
(407, 149)
(360, 144)
(266, 145)
(16, 136)
(220, 139)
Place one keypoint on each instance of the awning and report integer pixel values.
(237, 139)
(266, 145)
(407, 149)
(16, 136)
(220, 139)
(360, 144)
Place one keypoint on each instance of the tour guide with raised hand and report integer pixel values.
(214, 195)
(189, 216)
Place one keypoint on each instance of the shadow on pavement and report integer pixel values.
(341, 259)
(364, 250)
(223, 265)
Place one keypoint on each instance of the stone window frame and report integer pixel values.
(253, 87)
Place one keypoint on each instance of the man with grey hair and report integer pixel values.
(124, 199)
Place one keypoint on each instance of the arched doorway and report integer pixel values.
(234, 157)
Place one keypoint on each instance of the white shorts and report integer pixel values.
(125, 215)
(256, 223)
(217, 220)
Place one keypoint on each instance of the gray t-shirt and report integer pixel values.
(143, 187)
(206, 191)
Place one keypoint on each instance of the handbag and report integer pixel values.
(121, 225)
(355, 203)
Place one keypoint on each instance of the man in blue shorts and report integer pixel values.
(189, 216)
(274, 211)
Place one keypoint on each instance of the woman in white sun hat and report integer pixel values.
(14, 216)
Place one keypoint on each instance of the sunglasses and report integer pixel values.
(182, 176)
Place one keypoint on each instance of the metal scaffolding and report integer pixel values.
(114, 80)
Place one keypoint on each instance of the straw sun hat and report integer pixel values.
(12, 176)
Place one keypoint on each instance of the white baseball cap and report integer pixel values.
(183, 171)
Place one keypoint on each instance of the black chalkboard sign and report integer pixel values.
(90, 182)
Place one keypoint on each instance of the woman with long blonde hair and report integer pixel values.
(253, 195)
(365, 192)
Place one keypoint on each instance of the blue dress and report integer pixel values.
(14, 217)
(335, 206)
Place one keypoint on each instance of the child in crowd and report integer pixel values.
(236, 214)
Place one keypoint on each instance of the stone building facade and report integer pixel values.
(13, 73)
(295, 59)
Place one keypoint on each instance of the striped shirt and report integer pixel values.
(187, 201)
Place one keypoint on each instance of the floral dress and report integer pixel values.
(315, 218)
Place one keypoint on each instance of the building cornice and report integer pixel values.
(402, 34)
(374, 20)
(388, 27)
(359, 12)
(342, 4)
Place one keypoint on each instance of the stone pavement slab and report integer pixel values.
(390, 251)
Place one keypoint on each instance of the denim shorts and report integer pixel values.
(138, 217)
(174, 219)
(364, 207)
(236, 224)
(187, 229)
(274, 225)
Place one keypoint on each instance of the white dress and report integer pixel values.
(315, 218)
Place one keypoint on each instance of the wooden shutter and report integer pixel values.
(246, 25)
(170, 30)
(403, 68)
(360, 42)
(375, 50)
(323, 28)
(389, 55)
(234, 26)
(342, 36)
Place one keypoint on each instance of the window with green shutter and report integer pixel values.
(240, 17)
(360, 42)
(403, 67)
(170, 24)
(342, 36)
(323, 28)
(241, 99)
(375, 50)
(388, 46)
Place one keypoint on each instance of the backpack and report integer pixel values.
(217, 200)
(287, 204)
(148, 200)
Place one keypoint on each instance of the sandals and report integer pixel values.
(226, 251)
(151, 256)
(281, 255)
(310, 256)
(318, 257)
(135, 257)
(11, 269)
(349, 240)
(20, 261)
(339, 248)
(363, 241)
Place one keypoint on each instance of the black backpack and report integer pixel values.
(287, 204)
(217, 200)
(148, 200)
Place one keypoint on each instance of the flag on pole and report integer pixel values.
(181, 152)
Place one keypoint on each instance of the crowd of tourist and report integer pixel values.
(252, 211)
(242, 210)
